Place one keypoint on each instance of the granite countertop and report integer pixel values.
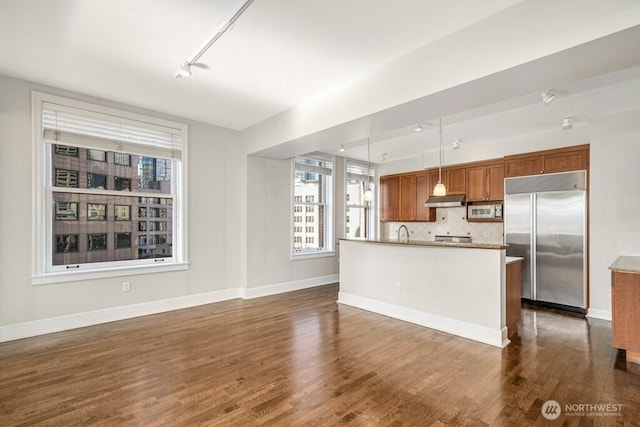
(427, 243)
(512, 259)
(626, 263)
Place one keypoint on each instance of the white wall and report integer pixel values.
(269, 229)
(614, 200)
(215, 187)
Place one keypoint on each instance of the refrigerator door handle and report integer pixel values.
(534, 246)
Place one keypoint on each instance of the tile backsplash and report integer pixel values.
(450, 221)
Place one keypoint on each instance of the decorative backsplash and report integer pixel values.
(450, 221)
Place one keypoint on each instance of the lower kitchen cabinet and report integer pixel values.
(625, 316)
(513, 295)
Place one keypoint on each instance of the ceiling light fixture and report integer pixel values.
(342, 148)
(547, 96)
(440, 189)
(383, 157)
(456, 143)
(418, 128)
(567, 122)
(185, 68)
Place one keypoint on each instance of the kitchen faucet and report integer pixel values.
(406, 233)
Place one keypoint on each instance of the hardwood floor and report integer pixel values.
(301, 359)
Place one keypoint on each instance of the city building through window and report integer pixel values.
(358, 212)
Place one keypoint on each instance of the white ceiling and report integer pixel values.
(282, 53)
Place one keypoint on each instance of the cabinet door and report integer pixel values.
(495, 182)
(456, 181)
(476, 184)
(389, 198)
(423, 189)
(564, 162)
(433, 179)
(408, 198)
(625, 322)
(524, 166)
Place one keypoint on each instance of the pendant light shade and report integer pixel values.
(440, 189)
(368, 195)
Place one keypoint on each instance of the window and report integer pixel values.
(122, 212)
(122, 159)
(97, 242)
(98, 155)
(96, 180)
(80, 152)
(313, 194)
(359, 213)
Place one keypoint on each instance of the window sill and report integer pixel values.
(106, 273)
(297, 257)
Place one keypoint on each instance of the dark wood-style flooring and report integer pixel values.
(302, 359)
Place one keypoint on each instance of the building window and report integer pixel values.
(67, 150)
(96, 212)
(154, 151)
(66, 243)
(142, 240)
(358, 212)
(96, 180)
(66, 178)
(97, 242)
(309, 229)
(313, 193)
(122, 159)
(123, 240)
(122, 212)
(121, 184)
(66, 211)
(98, 155)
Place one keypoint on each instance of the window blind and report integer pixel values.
(315, 163)
(359, 171)
(88, 129)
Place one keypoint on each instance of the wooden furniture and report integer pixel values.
(549, 161)
(625, 306)
(513, 294)
(453, 178)
(402, 198)
(485, 182)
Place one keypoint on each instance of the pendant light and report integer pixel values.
(440, 189)
(368, 195)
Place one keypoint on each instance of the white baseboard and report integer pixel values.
(296, 285)
(599, 314)
(79, 320)
(495, 337)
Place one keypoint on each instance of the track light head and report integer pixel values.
(418, 128)
(547, 96)
(456, 143)
(185, 70)
(567, 122)
(342, 148)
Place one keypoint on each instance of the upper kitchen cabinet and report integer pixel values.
(402, 197)
(549, 161)
(485, 182)
(389, 198)
(454, 179)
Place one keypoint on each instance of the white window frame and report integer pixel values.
(361, 171)
(329, 204)
(43, 270)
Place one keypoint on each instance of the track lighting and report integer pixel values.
(342, 148)
(456, 143)
(547, 96)
(567, 122)
(185, 68)
(418, 128)
(383, 157)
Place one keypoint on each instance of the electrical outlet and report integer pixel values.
(126, 286)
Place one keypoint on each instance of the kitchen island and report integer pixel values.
(457, 288)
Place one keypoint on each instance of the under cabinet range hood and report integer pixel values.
(452, 201)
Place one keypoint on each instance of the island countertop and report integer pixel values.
(630, 264)
(429, 243)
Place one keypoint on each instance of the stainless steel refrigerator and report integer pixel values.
(546, 223)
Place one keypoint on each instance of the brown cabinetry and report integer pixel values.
(485, 182)
(513, 296)
(625, 316)
(454, 179)
(550, 161)
(402, 198)
(389, 198)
